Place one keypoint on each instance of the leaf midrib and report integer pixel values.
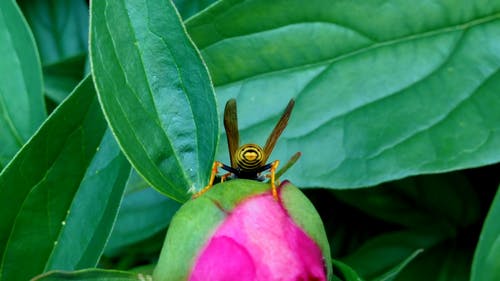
(153, 117)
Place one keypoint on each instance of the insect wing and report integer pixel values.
(231, 126)
(278, 129)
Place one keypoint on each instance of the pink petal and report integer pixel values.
(224, 260)
(275, 247)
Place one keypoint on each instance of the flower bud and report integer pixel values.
(238, 231)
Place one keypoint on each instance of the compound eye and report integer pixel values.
(249, 157)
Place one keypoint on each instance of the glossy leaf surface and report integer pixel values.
(377, 97)
(61, 180)
(22, 107)
(155, 92)
(486, 265)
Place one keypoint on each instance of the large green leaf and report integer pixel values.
(188, 8)
(60, 27)
(61, 78)
(382, 91)
(486, 263)
(85, 233)
(383, 256)
(417, 202)
(445, 262)
(155, 92)
(93, 274)
(392, 273)
(22, 107)
(143, 213)
(142, 255)
(62, 192)
(344, 272)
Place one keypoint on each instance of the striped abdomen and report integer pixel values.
(249, 157)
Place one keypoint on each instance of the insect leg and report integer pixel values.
(288, 165)
(274, 166)
(224, 177)
(215, 170)
(231, 170)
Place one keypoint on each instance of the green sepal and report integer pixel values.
(307, 218)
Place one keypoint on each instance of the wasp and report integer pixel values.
(249, 161)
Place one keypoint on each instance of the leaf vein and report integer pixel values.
(406, 38)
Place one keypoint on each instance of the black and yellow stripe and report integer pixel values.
(249, 157)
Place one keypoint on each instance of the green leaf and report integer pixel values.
(388, 252)
(393, 273)
(143, 213)
(62, 191)
(85, 233)
(444, 262)
(135, 182)
(344, 272)
(60, 27)
(377, 97)
(93, 274)
(486, 265)
(187, 8)
(21, 101)
(417, 202)
(155, 93)
(62, 77)
(130, 256)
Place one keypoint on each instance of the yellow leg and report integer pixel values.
(274, 166)
(224, 177)
(215, 170)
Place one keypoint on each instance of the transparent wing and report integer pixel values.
(231, 126)
(278, 129)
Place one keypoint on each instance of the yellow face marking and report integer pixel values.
(251, 155)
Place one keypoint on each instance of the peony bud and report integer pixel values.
(238, 231)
